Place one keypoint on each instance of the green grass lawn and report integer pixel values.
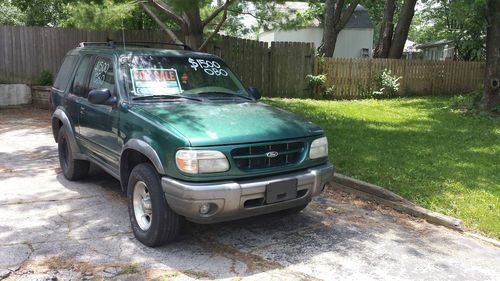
(420, 148)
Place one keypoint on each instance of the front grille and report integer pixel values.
(254, 157)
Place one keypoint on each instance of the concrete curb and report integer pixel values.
(385, 197)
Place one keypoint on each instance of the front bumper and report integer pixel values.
(229, 200)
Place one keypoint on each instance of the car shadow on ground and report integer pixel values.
(238, 248)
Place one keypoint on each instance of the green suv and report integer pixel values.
(183, 136)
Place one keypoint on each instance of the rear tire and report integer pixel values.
(152, 220)
(72, 169)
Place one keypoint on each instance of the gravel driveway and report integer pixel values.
(52, 228)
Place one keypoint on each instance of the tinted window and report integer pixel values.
(79, 86)
(65, 72)
(102, 75)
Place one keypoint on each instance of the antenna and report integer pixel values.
(123, 35)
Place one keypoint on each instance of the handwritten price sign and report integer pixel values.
(209, 66)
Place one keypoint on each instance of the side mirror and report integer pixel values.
(101, 96)
(254, 92)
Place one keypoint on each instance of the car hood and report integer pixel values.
(221, 123)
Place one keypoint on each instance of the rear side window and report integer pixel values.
(65, 72)
(80, 83)
(102, 75)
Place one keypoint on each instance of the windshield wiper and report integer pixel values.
(165, 97)
(224, 94)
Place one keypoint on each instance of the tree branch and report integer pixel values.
(347, 15)
(217, 12)
(216, 30)
(337, 11)
(166, 10)
(170, 33)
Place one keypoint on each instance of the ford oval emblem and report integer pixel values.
(272, 154)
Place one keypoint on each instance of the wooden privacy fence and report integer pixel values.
(26, 51)
(278, 70)
(353, 78)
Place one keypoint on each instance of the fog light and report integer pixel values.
(204, 208)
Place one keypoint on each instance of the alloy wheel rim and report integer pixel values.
(142, 205)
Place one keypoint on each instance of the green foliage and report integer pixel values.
(386, 85)
(316, 81)
(233, 26)
(467, 104)
(461, 21)
(11, 15)
(130, 269)
(41, 12)
(272, 15)
(45, 78)
(93, 16)
(417, 147)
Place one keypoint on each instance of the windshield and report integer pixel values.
(158, 76)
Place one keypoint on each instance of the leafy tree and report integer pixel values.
(463, 22)
(271, 15)
(41, 12)
(186, 15)
(11, 15)
(93, 16)
(233, 25)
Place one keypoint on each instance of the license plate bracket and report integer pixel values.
(281, 191)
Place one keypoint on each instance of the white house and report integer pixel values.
(354, 41)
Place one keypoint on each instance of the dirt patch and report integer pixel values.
(418, 226)
(251, 261)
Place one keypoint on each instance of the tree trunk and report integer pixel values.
(192, 29)
(386, 30)
(332, 16)
(335, 20)
(402, 29)
(491, 95)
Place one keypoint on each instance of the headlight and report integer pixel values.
(201, 161)
(319, 148)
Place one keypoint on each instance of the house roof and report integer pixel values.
(433, 44)
(360, 19)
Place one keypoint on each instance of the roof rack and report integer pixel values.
(145, 44)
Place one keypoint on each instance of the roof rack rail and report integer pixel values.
(146, 44)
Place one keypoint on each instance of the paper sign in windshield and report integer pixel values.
(155, 82)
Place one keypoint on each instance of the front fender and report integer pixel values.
(148, 151)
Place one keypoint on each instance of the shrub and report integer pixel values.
(386, 85)
(317, 83)
(45, 78)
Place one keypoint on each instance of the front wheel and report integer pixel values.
(152, 220)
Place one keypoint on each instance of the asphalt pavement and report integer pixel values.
(54, 229)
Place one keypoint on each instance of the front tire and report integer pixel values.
(72, 169)
(152, 220)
